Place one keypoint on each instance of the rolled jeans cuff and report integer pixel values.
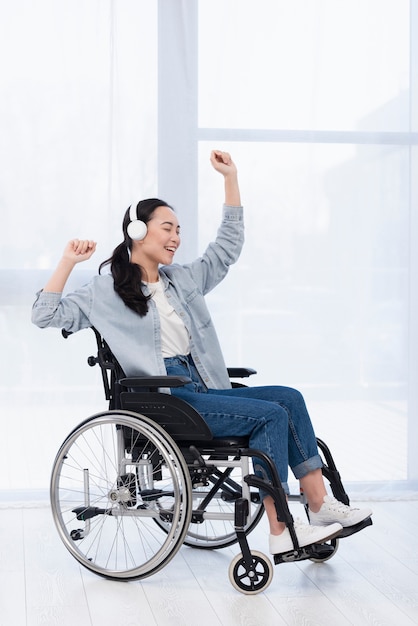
(314, 463)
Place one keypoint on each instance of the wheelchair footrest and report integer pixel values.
(351, 530)
(316, 550)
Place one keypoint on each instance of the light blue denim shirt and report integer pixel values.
(135, 340)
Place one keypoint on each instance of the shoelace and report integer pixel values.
(339, 507)
(298, 523)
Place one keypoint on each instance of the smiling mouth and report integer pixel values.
(170, 249)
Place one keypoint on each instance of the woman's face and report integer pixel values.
(162, 239)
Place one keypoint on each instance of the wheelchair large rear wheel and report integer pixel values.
(113, 477)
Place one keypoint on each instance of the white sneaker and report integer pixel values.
(335, 511)
(306, 535)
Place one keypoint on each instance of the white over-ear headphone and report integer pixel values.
(137, 229)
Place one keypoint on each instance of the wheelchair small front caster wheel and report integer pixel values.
(325, 551)
(251, 578)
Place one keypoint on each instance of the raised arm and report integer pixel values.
(76, 251)
(223, 164)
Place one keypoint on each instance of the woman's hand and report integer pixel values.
(78, 250)
(222, 162)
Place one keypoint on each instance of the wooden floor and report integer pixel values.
(372, 579)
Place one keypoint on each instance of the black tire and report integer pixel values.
(106, 521)
(247, 581)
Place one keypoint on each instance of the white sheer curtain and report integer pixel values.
(313, 99)
(78, 115)
(106, 100)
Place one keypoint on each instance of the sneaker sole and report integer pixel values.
(332, 536)
(322, 523)
(313, 543)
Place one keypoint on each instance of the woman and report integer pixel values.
(153, 315)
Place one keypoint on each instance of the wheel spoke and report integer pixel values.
(97, 480)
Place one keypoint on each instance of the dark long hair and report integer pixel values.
(128, 276)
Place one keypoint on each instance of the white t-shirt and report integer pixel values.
(174, 335)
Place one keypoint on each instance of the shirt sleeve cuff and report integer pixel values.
(233, 213)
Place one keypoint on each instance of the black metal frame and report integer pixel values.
(140, 394)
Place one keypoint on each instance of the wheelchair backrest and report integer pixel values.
(176, 416)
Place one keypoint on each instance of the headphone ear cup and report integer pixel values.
(137, 230)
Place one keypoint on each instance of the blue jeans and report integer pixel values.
(274, 418)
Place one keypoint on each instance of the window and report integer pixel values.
(313, 99)
(109, 101)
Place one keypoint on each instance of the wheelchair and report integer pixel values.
(132, 484)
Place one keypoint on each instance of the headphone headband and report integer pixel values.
(132, 211)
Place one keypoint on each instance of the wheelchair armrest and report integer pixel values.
(155, 381)
(240, 372)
